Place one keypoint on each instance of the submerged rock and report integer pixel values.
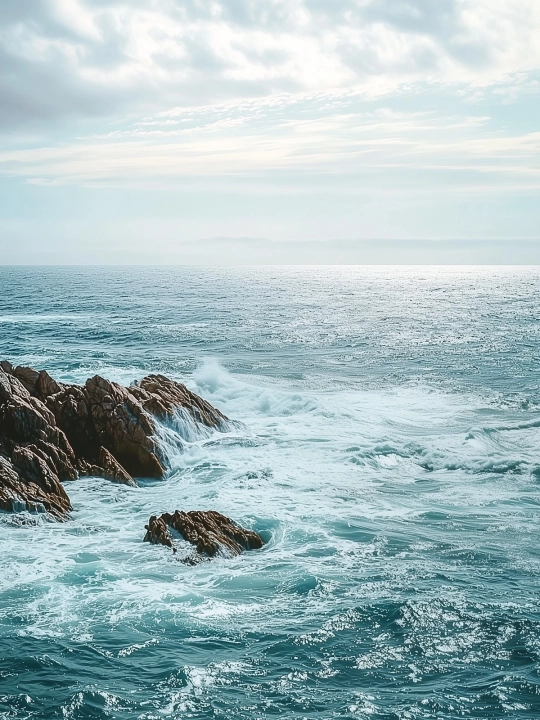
(52, 432)
(210, 532)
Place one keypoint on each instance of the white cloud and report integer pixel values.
(64, 58)
(324, 135)
(381, 117)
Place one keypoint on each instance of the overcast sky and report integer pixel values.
(268, 130)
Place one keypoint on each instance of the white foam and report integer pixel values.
(328, 476)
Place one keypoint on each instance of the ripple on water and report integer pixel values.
(391, 470)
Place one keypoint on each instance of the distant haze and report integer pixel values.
(254, 251)
(238, 131)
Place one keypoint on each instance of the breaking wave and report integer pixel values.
(391, 465)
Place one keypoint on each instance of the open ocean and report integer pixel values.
(390, 457)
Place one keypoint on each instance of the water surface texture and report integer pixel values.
(390, 456)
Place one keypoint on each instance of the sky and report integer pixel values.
(271, 131)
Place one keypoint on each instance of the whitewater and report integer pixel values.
(386, 445)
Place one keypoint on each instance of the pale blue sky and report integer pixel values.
(269, 130)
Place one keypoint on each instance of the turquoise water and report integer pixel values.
(390, 456)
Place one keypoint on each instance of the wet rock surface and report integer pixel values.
(34, 453)
(108, 468)
(52, 432)
(162, 397)
(157, 532)
(210, 532)
(123, 427)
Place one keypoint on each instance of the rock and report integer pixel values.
(11, 387)
(36, 454)
(30, 464)
(9, 485)
(52, 432)
(28, 377)
(108, 468)
(31, 486)
(210, 532)
(113, 470)
(71, 410)
(123, 427)
(63, 462)
(28, 421)
(157, 532)
(46, 386)
(161, 397)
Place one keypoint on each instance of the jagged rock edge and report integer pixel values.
(210, 532)
(52, 432)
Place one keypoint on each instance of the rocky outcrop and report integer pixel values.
(123, 427)
(34, 453)
(28, 483)
(162, 397)
(52, 432)
(211, 533)
(108, 468)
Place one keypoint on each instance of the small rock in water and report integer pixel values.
(157, 532)
(210, 532)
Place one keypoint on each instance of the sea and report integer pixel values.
(387, 448)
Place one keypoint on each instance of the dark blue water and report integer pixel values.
(390, 457)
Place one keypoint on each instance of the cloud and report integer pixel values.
(297, 119)
(293, 140)
(263, 251)
(67, 59)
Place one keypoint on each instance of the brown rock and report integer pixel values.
(28, 377)
(28, 484)
(157, 532)
(59, 462)
(31, 465)
(72, 414)
(46, 386)
(35, 453)
(161, 397)
(123, 427)
(28, 420)
(63, 462)
(108, 468)
(210, 532)
(113, 470)
(9, 486)
(51, 432)
(10, 387)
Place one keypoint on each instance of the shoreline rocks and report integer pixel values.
(54, 432)
(210, 532)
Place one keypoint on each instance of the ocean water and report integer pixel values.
(389, 453)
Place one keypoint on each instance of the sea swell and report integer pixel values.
(400, 573)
